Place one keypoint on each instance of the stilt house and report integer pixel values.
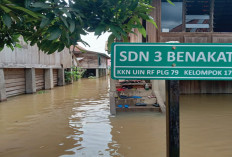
(191, 21)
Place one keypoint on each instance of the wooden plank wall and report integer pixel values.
(103, 62)
(135, 38)
(188, 87)
(102, 72)
(203, 87)
(39, 78)
(28, 56)
(15, 81)
(55, 77)
(90, 61)
(151, 29)
(199, 37)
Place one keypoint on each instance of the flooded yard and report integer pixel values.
(74, 120)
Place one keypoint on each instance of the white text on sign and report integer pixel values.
(132, 56)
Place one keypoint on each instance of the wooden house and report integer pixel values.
(192, 21)
(94, 63)
(27, 70)
(187, 21)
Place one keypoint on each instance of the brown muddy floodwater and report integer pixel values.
(74, 120)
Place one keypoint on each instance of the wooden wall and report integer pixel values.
(55, 77)
(39, 79)
(152, 31)
(15, 81)
(155, 35)
(102, 72)
(135, 38)
(200, 37)
(90, 60)
(28, 57)
(190, 87)
(104, 62)
(205, 87)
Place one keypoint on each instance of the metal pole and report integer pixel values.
(172, 118)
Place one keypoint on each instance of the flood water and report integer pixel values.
(74, 120)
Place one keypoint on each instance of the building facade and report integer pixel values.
(27, 70)
(191, 21)
(94, 63)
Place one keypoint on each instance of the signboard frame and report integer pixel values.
(173, 66)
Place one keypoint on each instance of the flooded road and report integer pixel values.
(74, 120)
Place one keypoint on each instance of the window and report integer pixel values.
(171, 16)
(223, 16)
(99, 60)
(197, 16)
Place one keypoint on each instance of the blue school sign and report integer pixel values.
(171, 61)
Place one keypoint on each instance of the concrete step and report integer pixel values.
(139, 109)
(132, 101)
(136, 92)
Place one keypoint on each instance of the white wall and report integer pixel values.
(159, 86)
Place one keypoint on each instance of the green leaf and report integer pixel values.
(142, 31)
(7, 20)
(11, 47)
(15, 38)
(68, 14)
(64, 21)
(45, 22)
(24, 10)
(7, 10)
(33, 41)
(16, 18)
(117, 31)
(18, 45)
(67, 42)
(53, 48)
(144, 16)
(134, 4)
(1, 48)
(84, 42)
(61, 47)
(138, 22)
(110, 41)
(27, 3)
(125, 38)
(41, 5)
(169, 1)
(55, 34)
(72, 26)
(153, 22)
(45, 45)
(99, 30)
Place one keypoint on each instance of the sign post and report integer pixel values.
(172, 118)
(171, 62)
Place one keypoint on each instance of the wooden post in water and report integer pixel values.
(112, 96)
(3, 95)
(172, 118)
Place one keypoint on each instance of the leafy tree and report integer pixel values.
(56, 24)
(15, 20)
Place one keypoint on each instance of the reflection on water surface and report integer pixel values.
(74, 120)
